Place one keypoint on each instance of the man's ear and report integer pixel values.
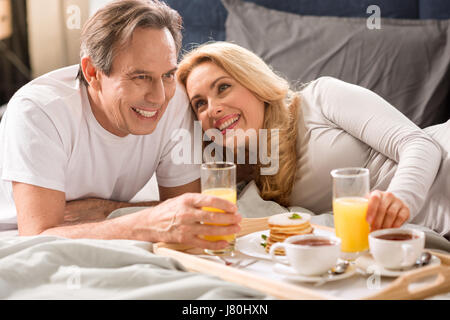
(91, 73)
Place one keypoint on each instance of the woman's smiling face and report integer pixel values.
(220, 102)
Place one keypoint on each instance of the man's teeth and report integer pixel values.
(228, 123)
(147, 114)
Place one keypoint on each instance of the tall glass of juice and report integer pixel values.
(350, 189)
(219, 179)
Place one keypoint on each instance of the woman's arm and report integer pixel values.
(371, 119)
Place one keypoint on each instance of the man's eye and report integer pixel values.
(170, 76)
(142, 77)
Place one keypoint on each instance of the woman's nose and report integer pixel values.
(214, 109)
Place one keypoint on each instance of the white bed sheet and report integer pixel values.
(45, 267)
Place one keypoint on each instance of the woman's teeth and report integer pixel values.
(147, 114)
(228, 123)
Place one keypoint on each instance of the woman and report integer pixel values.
(327, 124)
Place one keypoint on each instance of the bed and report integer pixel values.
(56, 268)
(46, 267)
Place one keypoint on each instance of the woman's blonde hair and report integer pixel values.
(281, 111)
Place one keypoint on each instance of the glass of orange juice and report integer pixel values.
(350, 189)
(219, 179)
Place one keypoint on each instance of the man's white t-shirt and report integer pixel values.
(50, 138)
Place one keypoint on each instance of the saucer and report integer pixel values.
(290, 273)
(367, 264)
(251, 244)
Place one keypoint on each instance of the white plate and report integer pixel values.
(289, 273)
(368, 265)
(251, 243)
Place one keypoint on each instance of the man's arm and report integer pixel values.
(172, 192)
(94, 209)
(37, 208)
(50, 209)
(42, 211)
(177, 220)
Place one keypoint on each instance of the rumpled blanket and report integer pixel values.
(45, 267)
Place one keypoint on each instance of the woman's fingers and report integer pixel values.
(385, 210)
(386, 201)
(402, 217)
(373, 204)
(391, 214)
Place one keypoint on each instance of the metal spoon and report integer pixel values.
(338, 269)
(423, 260)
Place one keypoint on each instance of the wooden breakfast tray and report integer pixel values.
(397, 289)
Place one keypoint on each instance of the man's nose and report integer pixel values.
(156, 93)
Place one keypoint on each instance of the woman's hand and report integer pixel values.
(386, 211)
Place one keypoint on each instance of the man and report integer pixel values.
(73, 150)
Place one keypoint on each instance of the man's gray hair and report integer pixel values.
(111, 28)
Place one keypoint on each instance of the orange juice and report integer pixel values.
(227, 194)
(350, 223)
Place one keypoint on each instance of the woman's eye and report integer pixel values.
(223, 87)
(199, 103)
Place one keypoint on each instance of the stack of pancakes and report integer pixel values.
(286, 225)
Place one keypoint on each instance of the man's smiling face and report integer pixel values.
(134, 97)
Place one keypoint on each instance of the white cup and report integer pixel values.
(308, 260)
(396, 254)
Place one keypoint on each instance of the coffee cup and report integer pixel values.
(396, 248)
(309, 255)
